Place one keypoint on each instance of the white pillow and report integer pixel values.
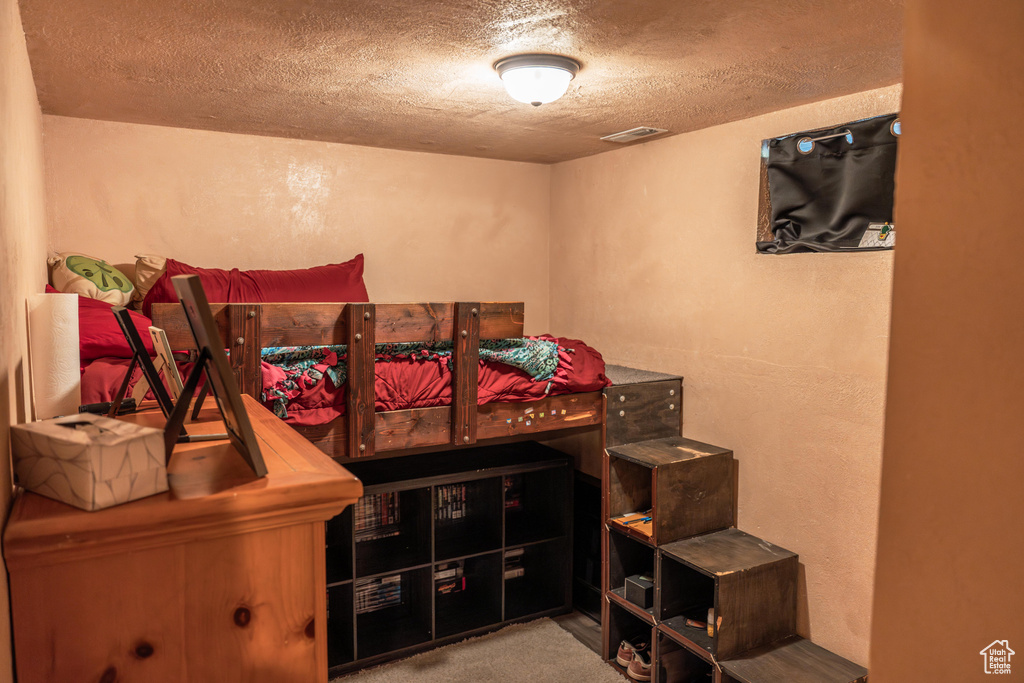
(148, 269)
(75, 273)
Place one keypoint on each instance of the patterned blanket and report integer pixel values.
(305, 366)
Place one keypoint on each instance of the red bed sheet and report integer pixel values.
(400, 384)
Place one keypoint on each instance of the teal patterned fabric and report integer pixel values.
(536, 357)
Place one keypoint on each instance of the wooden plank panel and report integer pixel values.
(171, 319)
(436, 321)
(666, 451)
(794, 660)
(726, 552)
(253, 621)
(415, 428)
(555, 412)
(694, 497)
(64, 620)
(422, 427)
(360, 396)
(638, 412)
(291, 324)
(465, 372)
(317, 324)
(755, 607)
(321, 324)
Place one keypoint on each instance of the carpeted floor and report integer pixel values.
(521, 652)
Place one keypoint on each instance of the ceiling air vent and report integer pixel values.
(634, 134)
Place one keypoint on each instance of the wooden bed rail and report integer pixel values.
(246, 329)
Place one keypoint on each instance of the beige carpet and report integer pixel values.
(521, 652)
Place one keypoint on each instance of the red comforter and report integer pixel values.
(400, 384)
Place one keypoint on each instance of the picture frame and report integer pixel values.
(221, 381)
(165, 362)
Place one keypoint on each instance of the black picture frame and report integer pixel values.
(219, 378)
(140, 357)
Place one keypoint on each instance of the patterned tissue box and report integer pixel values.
(89, 461)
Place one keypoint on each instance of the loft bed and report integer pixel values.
(363, 432)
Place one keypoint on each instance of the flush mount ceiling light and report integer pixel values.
(537, 79)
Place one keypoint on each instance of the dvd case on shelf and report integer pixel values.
(377, 516)
(373, 595)
(450, 502)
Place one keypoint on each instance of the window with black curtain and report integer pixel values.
(826, 188)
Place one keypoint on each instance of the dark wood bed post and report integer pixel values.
(465, 372)
(245, 338)
(360, 321)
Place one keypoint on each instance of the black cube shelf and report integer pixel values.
(447, 545)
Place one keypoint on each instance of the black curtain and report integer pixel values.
(824, 200)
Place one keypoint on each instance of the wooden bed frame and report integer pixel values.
(247, 328)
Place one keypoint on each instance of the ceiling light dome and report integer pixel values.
(537, 79)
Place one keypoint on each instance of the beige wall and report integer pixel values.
(951, 537)
(432, 227)
(784, 357)
(22, 246)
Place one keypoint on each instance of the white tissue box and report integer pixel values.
(89, 461)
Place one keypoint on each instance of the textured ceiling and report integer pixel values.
(417, 74)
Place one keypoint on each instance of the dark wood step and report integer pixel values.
(793, 660)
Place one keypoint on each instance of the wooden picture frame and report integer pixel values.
(220, 379)
(166, 361)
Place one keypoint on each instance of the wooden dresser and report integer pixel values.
(222, 578)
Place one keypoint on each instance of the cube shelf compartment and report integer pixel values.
(467, 517)
(403, 543)
(677, 664)
(469, 598)
(533, 506)
(685, 486)
(625, 625)
(629, 557)
(400, 623)
(750, 584)
(446, 546)
(544, 583)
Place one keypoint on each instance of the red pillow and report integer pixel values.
(99, 334)
(333, 282)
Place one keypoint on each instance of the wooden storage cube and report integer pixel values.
(535, 505)
(392, 611)
(685, 486)
(642, 405)
(467, 517)
(403, 542)
(338, 536)
(793, 660)
(628, 557)
(340, 634)
(677, 664)
(467, 594)
(754, 589)
(542, 584)
(624, 625)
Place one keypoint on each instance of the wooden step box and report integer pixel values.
(750, 583)
(689, 488)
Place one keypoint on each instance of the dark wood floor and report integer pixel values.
(583, 628)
